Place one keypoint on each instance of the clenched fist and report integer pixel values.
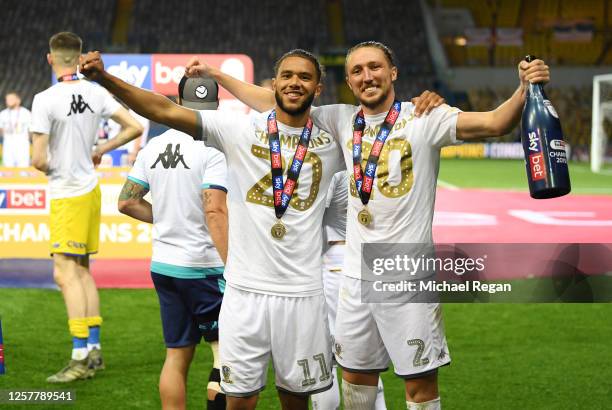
(91, 65)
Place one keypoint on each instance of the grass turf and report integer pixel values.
(505, 356)
(510, 174)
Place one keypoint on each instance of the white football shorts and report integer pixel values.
(292, 331)
(368, 335)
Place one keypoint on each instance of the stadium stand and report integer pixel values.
(403, 31)
(264, 30)
(26, 29)
(562, 32)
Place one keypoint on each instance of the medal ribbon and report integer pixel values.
(68, 77)
(283, 191)
(364, 180)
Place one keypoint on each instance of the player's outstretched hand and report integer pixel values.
(534, 72)
(91, 65)
(197, 68)
(426, 102)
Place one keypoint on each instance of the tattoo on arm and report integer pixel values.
(132, 190)
(207, 198)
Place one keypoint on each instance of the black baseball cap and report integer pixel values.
(199, 93)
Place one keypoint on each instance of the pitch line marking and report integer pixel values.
(448, 185)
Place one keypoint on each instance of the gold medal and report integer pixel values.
(278, 230)
(364, 217)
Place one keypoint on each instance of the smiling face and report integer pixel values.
(296, 85)
(370, 76)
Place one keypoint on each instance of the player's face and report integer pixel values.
(296, 85)
(12, 100)
(370, 76)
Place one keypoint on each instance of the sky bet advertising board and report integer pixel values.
(162, 72)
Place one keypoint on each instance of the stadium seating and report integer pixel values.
(539, 19)
(25, 33)
(569, 102)
(400, 26)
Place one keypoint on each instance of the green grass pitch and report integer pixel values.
(505, 356)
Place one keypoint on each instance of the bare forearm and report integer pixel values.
(508, 115)
(125, 135)
(144, 102)
(41, 164)
(153, 106)
(256, 97)
(141, 210)
(217, 226)
(496, 123)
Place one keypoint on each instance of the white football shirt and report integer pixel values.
(175, 168)
(70, 112)
(334, 220)
(256, 261)
(15, 124)
(404, 189)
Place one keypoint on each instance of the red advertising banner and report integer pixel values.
(167, 70)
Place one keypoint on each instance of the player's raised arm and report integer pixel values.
(151, 105)
(496, 123)
(258, 98)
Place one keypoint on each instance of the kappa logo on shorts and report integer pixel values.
(442, 354)
(227, 371)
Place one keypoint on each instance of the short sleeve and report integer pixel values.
(333, 118)
(138, 172)
(110, 105)
(221, 129)
(3, 122)
(337, 194)
(215, 171)
(41, 123)
(441, 126)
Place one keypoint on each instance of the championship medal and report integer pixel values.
(364, 217)
(278, 230)
(364, 179)
(283, 191)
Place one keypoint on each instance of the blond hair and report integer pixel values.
(66, 48)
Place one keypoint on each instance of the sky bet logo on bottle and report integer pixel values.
(23, 199)
(536, 158)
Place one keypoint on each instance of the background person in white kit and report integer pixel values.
(274, 304)
(65, 119)
(187, 181)
(14, 129)
(131, 148)
(334, 241)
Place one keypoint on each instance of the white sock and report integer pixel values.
(380, 397)
(427, 405)
(358, 397)
(79, 353)
(91, 346)
(329, 399)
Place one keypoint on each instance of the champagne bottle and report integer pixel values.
(542, 138)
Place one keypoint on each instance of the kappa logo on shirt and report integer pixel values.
(170, 159)
(78, 105)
